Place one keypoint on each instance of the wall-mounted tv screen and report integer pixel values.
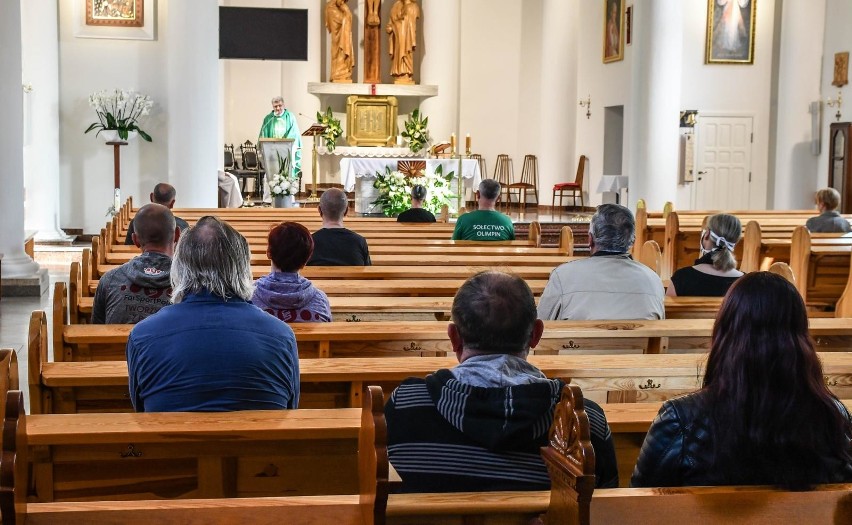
(263, 33)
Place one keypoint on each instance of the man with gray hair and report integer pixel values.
(281, 124)
(163, 194)
(334, 244)
(609, 284)
(486, 223)
(141, 286)
(480, 426)
(212, 350)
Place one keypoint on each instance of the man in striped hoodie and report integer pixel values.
(479, 426)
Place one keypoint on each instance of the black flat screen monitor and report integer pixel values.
(263, 33)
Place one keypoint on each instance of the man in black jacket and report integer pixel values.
(479, 426)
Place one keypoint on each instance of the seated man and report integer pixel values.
(141, 286)
(212, 351)
(479, 426)
(486, 223)
(334, 245)
(609, 284)
(163, 194)
(828, 220)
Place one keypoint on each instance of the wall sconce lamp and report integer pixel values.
(837, 102)
(588, 105)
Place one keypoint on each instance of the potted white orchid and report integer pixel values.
(282, 186)
(118, 114)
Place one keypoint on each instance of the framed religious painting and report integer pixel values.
(120, 13)
(730, 31)
(613, 40)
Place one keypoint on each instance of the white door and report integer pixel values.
(723, 178)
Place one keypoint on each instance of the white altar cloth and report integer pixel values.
(613, 183)
(359, 174)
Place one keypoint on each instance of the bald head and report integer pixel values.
(333, 204)
(154, 227)
(164, 194)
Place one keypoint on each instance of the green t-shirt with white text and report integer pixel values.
(484, 225)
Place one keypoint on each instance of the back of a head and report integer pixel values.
(829, 198)
(163, 193)
(154, 226)
(290, 246)
(333, 204)
(489, 189)
(418, 192)
(725, 231)
(613, 228)
(212, 256)
(774, 416)
(495, 313)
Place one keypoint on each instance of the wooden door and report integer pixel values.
(723, 180)
(838, 163)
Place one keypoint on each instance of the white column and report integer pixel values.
(558, 91)
(653, 121)
(798, 83)
(40, 51)
(193, 110)
(15, 262)
(295, 76)
(440, 66)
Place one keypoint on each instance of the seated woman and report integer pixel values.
(284, 293)
(716, 270)
(828, 220)
(764, 415)
(417, 213)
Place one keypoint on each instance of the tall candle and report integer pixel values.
(453, 142)
(467, 144)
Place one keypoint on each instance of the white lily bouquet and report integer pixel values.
(282, 184)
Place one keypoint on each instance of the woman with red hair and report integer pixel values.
(284, 293)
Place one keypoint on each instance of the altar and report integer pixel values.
(359, 174)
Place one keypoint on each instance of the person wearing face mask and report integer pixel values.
(716, 269)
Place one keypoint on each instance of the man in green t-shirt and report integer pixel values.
(486, 223)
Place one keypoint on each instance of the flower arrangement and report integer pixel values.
(120, 110)
(333, 128)
(416, 131)
(395, 190)
(282, 183)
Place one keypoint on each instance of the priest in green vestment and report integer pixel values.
(281, 124)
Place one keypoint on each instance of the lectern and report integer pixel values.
(314, 131)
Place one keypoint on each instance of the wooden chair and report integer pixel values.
(251, 168)
(230, 159)
(504, 173)
(575, 187)
(529, 181)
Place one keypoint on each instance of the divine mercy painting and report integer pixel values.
(122, 13)
(730, 32)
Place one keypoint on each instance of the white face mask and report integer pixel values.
(701, 250)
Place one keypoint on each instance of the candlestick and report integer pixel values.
(453, 143)
(467, 144)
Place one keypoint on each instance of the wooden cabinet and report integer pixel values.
(839, 168)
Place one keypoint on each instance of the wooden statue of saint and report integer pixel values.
(402, 40)
(338, 21)
(372, 44)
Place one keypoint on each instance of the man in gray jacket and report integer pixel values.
(141, 286)
(609, 284)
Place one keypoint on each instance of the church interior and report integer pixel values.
(676, 109)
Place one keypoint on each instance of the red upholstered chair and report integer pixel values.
(576, 187)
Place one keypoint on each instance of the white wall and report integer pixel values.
(87, 65)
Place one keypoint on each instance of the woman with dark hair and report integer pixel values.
(764, 415)
(284, 293)
(417, 213)
(716, 270)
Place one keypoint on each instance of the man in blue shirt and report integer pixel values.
(212, 350)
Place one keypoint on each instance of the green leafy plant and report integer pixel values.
(416, 131)
(120, 110)
(395, 190)
(333, 128)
